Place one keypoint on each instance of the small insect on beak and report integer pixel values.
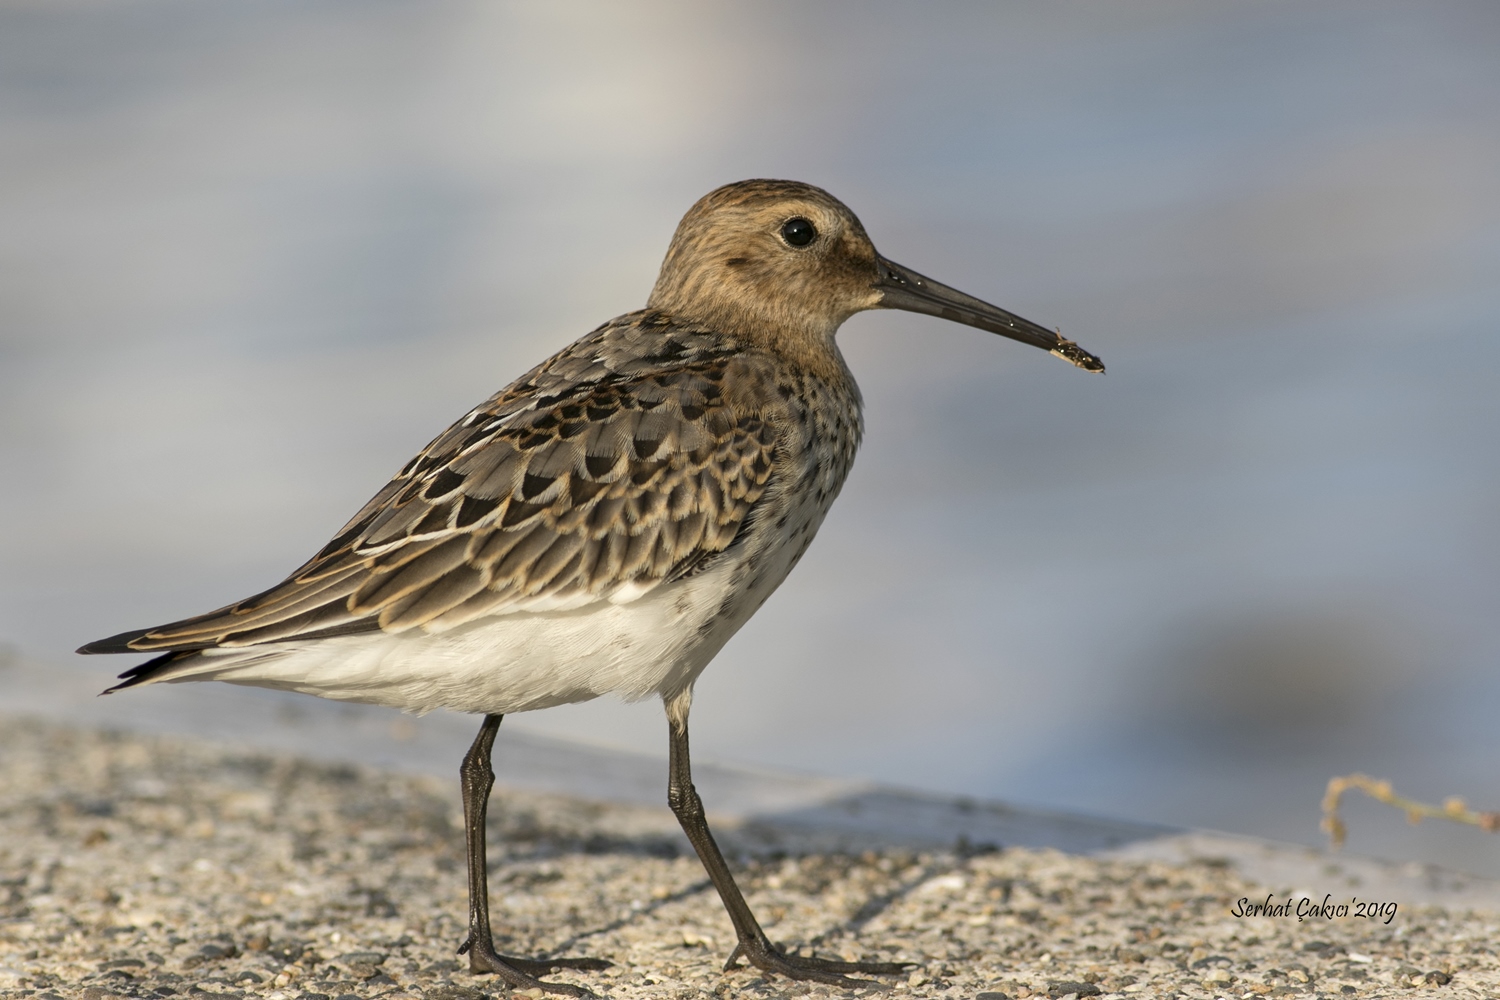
(903, 288)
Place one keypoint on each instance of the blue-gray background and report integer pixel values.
(254, 255)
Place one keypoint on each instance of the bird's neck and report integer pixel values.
(803, 338)
(804, 347)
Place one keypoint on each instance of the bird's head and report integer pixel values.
(788, 261)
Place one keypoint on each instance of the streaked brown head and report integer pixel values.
(783, 260)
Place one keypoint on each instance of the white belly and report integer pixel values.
(656, 644)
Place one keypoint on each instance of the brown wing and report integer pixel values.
(593, 491)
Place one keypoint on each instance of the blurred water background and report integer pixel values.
(254, 255)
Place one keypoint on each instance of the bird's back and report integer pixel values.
(650, 457)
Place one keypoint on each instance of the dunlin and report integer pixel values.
(605, 523)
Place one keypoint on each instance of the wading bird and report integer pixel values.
(604, 524)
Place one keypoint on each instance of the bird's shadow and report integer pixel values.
(755, 864)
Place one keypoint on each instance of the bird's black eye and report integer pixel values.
(798, 232)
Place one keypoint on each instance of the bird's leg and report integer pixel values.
(477, 778)
(753, 943)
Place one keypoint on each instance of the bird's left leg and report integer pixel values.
(753, 943)
(477, 777)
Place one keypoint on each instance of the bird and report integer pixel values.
(603, 524)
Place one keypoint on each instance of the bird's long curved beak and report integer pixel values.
(903, 288)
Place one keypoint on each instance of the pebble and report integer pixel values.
(146, 867)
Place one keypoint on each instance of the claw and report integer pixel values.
(770, 959)
(521, 973)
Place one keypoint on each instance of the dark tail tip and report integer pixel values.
(141, 673)
(114, 644)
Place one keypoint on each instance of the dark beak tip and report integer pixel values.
(1071, 352)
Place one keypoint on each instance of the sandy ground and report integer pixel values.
(148, 867)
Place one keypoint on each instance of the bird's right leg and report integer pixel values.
(477, 778)
(753, 943)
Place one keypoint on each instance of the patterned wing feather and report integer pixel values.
(586, 481)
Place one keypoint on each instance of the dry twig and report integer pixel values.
(1380, 790)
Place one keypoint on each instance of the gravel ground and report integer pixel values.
(146, 867)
